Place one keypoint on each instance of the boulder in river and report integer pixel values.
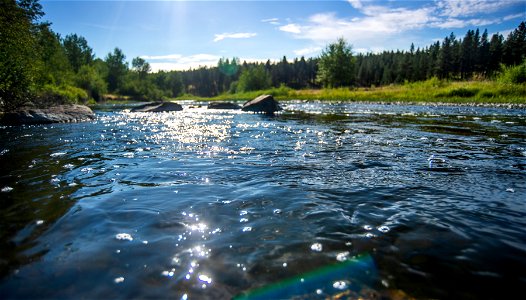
(262, 104)
(223, 105)
(54, 114)
(157, 107)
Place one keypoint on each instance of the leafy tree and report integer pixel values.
(77, 51)
(515, 46)
(140, 66)
(495, 53)
(92, 81)
(336, 65)
(55, 68)
(17, 48)
(117, 69)
(254, 78)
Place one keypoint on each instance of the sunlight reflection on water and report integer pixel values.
(208, 204)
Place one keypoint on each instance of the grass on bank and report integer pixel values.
(430, 91)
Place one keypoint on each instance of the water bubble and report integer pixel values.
(510, 190)
(342, 256)
(57, 154)
(242, 220)
(246, 229)
(319, 291)
(316, 247)
(243, 212)
(69, 166)
(383, 229)
(145, 242)
(6, 189)
(39, 222)
(184, 297)
(385, 283)
(124, 236)
(119, 279)
(284, 265)
(367, 227)
(340, 285)
(277, 211)
(205, 278)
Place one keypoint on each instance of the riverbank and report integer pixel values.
(432, 91)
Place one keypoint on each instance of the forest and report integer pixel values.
(40, 67)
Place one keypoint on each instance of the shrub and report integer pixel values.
(56, 95)
(513, 74)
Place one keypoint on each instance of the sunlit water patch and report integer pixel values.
(322, 200)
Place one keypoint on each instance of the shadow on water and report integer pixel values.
(37, 196)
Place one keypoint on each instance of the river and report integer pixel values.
(321, 200)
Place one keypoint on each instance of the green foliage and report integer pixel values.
(92, 81)
(461, 92)
(51, 94)
(17, 52)
(513, 74)
(55, 67)
(253, 78)
(77, 51)
(117, 69)
(140, 66)
(336, 65)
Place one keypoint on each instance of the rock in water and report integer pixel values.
(264, 104)
(54, 114)
(157, 107)
(223, 105)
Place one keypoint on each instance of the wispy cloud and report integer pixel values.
(514, 16)
(180, 62)
(307, 51)
(379, 24)
(466, 8)
(273, 21)
(292, 28)
(239, 35)
(162, 57)
(356, 3)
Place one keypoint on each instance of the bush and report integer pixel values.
(56, 95)
(513, 74)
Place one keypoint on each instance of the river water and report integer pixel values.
(321, 200)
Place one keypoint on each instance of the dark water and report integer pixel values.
(344, 200)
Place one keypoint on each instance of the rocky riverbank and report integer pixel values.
(54, 114)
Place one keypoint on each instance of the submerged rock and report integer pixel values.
(263, 104)
(223, 105)
(55, 114)
(157, 107)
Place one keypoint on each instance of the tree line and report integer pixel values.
(39, 66)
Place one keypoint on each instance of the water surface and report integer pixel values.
(321, 200)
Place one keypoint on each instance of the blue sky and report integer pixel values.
(187, 34)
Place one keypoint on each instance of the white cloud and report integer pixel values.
(292, 28)
(162, 57)
(307, 51)
(464, 8)
(273, 21)
(179, 62)
(326, 27)
(356, 3)
(515, 16)
(239, 35)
